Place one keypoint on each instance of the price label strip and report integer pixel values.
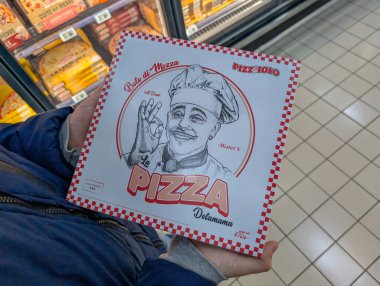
(191, 30)
(79, 96)
(67, 34)
(102, 16)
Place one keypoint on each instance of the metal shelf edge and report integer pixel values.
(28, 50)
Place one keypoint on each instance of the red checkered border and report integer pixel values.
(278, 155)
(253, 250)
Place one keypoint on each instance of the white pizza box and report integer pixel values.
(188, 138)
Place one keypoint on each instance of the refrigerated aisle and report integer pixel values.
(61, 49)
(327, 206)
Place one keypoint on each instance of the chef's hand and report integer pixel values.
(233, 264)
(149, 131)
(80, 120)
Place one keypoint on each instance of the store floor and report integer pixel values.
(327, 212)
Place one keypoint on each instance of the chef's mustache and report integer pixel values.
(178, 129)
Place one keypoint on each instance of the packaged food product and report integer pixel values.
(196, 10)
(113, 27)
(108, 33)
(207, 5)
(69, 68)
(48, 14)
(211, 178)
(217, 5)
(192, 11)
(113, 42)
(220, 4)
(120, 20)
(92, 3)
(12, 31)
(150, 13)
(13, 108)
(33, 75)
(115, 38)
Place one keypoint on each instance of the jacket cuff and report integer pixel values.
(71, 156)
(184, 253)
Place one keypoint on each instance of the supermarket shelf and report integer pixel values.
(82, 20)
(217, 22)
(80, 96)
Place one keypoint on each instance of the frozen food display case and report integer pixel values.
(206, 19)
(13, 108)
(57, 52)
(16, 102)
(243, 24)
(63, 48)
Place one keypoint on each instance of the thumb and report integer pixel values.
(80, 120)
(158, 131)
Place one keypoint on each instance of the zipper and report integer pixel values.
(8, 199)
(137, 236)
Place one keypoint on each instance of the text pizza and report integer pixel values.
(179, 189)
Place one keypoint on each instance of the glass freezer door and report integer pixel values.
(203, 19)
(13, 109)
(66, 46)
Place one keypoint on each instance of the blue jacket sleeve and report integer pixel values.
(37, 139)
(160, 272)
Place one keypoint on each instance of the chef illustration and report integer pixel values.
(200, 102)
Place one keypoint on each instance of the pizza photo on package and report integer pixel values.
(13, 33)
(188, 138)
(45, 15)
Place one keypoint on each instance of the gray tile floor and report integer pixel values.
(327, 211)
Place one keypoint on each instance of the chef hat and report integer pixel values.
(205, 83)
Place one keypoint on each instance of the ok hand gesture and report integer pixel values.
(149, 131)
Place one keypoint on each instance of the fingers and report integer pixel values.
(147, 111)
(159, 129)
(158, 132)
(91, 101)
(80, 119)
(142, 108)
(154, 111)
(94, 96)
(147, 117)
(249, 265)
(266, 259)
(233, 264)
(148, 108)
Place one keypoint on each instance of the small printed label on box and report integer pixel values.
(93, 186)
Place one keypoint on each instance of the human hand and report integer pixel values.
(149, 128)
(80, 120)
(233, 264)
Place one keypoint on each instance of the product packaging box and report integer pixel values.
(69, 67)
(12, 32)
(189, 138)
(48, 14)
